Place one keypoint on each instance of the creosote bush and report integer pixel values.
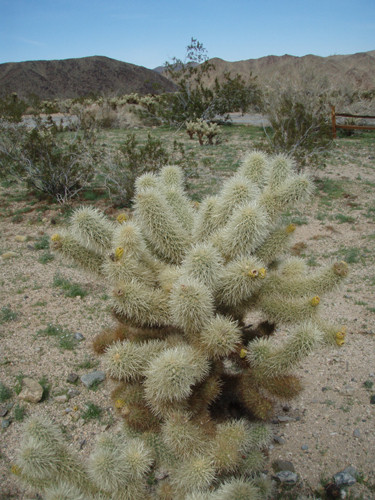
(212, 318)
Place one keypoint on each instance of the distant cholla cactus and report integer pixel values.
(200, 295)
(203, 130)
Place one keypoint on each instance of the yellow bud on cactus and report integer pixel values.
(315, 301)
(15, 470)
(262, 272)
(340, 342)
(56, 237)
(291, 228)
(119, 253)
(119, 403)
(340, 335)
(75, 408)
(243, 353)
(253, 273)
(121, 218)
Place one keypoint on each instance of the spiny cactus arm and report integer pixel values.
(281, 386)
(172, 176)
(255, 166)
(275, 244)
(138, 459)
(141, 304)
(191, 305)
(281, 309)
(171, 375)
(193, 474)
(146, 181)
(74, 252)
(236, 191)
(296, 189)
(203, 263)
(269, 361)
(119, 266)
(207, 220)
(333, 333)
(246, 229)
(238, 488)
(239, 280)
(219, 337)
(256, 402)
(318, 283)
(183, 437)
(92, 229)
(280, 168)
(181, 207)
(63, 490)
(160, 226)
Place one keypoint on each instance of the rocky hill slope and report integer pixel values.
(70, 78)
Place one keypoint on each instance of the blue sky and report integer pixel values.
(150, 32)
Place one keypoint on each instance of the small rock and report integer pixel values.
(30, 247)
(357, 433)
(78, 336)
(304, 447)
(343, 478)
(68, 410)
(282, 465)
(72, 378)
(286, 477)
(285, 418)
(90, 379)
(5, 423)
(32, 391)
(8, 255)
(72, 393)
(82, 444)
(3, 410)
(278, 439)
(20, 238)
(372, 399)
(63, 398)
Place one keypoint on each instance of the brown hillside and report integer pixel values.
(71, 78)
(355, 71)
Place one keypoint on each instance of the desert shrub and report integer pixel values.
(195, 98)
(51, 163)
(12, 108)
(132, 158)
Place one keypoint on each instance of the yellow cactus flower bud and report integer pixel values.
(340, 335)
(262, 272)
(340, 342)
(315, 301)
(56, 237)
(291, 228)
(121, 218)
(119, 253)
(75, 408)
(15, 470)
(243, 353)
(119, 403)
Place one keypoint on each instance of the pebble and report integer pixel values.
(282, 465)
(278, 439)
(345, 477)
(8, 255)
(357, 433)
(304, 447)
(92, 378)
(3, 410)
(78, 336)
(63, 398)
(286, 477)
(72, 393)
(32, 391)
(72, 378)
(5, 423)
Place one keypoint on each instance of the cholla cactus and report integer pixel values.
(194, 367)
(203, 130)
